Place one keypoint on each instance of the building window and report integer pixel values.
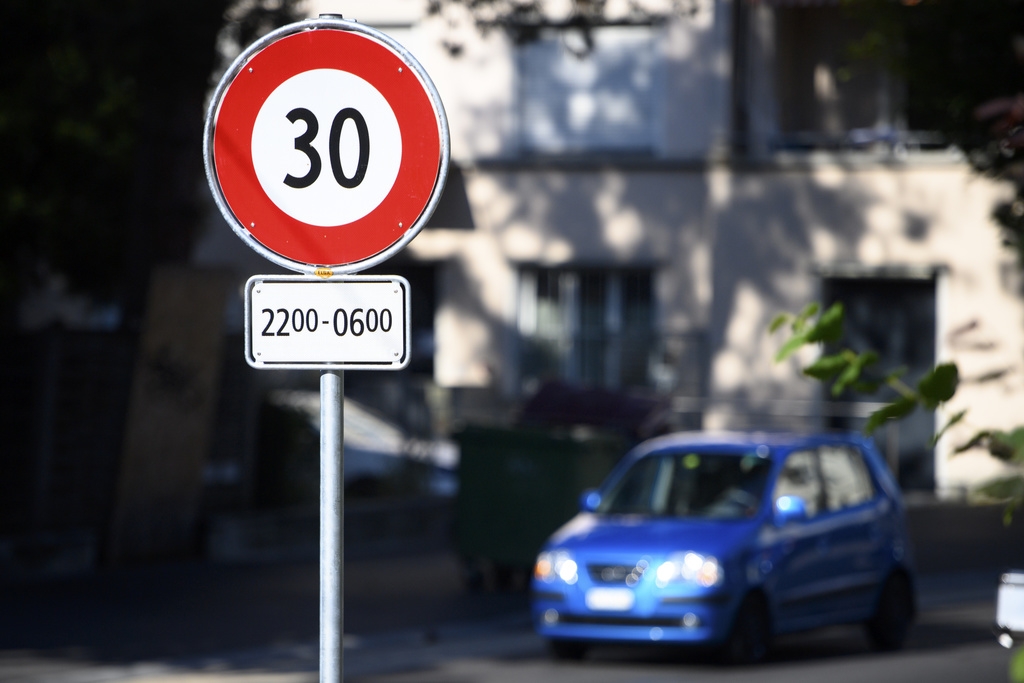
(586, 326)
(827, 99)
(598, 98)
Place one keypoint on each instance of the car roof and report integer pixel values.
(742, 441)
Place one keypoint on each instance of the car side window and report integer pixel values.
(847, 482)
(799, 477)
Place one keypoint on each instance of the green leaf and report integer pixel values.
(1016, 438)
(852, 372)
(1009, 510)
(939, 385)
(787, 350)
(1016, 668)
(952, 421)
(801, 319)
(827, 367)
(829, 327)
(777, 322)
(810, 309)
(1003, 488)
(895, 374)
(867, 358)
(892, 411)
(866, 387)
(1008, 447)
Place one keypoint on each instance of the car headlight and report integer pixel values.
(556, 564)
(691, 567)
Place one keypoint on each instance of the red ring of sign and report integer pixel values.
(232, 147)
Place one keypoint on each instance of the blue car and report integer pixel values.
(727, 541)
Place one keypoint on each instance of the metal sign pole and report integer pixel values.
(332, 525)
(288, 71)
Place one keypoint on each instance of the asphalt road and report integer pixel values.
(197, 609)
(408, 618)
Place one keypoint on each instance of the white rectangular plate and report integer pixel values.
(354, 322)
(610, 599)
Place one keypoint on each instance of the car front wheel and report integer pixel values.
(889, 626)
(751, 632)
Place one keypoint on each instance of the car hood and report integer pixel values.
(654, 536)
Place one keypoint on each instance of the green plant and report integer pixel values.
(849, 370)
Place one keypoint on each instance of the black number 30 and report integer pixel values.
(303, 143)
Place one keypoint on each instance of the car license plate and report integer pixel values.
(610, 599)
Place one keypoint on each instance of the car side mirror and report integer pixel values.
(789, 509)
(589, 500)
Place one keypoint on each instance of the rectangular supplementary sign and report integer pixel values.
(354, 322)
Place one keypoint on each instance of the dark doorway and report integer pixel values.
(894, 316)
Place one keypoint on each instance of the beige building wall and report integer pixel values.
(731, 249)
(731, 246)
(601, 217)
(776, 229)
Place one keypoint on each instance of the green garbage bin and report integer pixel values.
(516, 486)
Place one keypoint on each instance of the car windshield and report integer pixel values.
(690, 484)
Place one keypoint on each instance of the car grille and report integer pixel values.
(626, 574)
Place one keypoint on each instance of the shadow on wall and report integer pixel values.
(726, 258)
(764, 262)
(453, 211)
(555, 216)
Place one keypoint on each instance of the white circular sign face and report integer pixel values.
(326, 147)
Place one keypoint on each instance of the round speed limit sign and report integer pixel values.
(326, 146)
